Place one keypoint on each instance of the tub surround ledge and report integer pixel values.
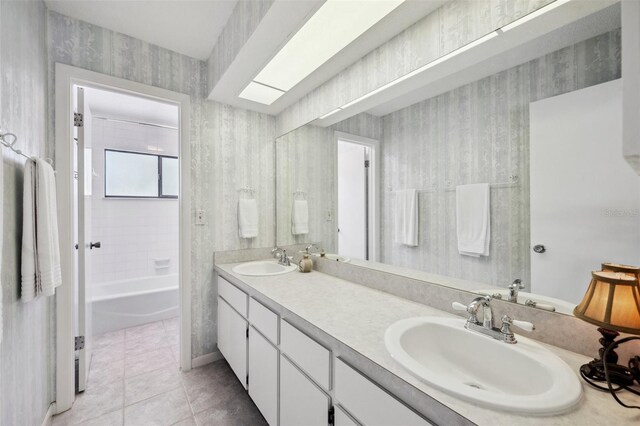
(351, 320)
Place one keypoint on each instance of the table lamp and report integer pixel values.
(611, 302)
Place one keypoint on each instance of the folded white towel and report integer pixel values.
(300, 217)
(30, 284)
(41, 272)
(473, 218)
(406, 217)
(247, 218)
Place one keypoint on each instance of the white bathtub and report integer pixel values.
(120, 304)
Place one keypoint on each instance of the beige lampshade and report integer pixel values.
(634, 271)
(612, 301)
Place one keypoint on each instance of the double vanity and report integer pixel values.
(315, 349)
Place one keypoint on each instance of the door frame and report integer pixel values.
(374, 188)
(66, 77)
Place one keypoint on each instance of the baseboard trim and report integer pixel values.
(205, 359)
(48, 417)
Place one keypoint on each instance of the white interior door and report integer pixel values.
(585, 199)
(85, 243)
(352, 200)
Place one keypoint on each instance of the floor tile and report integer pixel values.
(143, 330)
(212, 385)
(146, 343)
(103, 374)
(108, 354)
(92, 403)
(107, 339)
(115, 418)
(164, 409)
(148, 362)
(239, 411)
(186, 422)
(171, 324)
(150, 384)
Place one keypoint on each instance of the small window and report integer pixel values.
(137, 175)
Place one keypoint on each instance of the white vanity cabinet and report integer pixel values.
(302, 402)
(232, 339)
(263, 375)
(368, 403)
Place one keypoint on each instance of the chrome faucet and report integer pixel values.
(504, 333)
(309, 247)
(514, 288)
(281, 255)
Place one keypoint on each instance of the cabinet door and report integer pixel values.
(232, 339)
(301, 401)
(263, 376)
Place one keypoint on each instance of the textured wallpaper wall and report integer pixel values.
(222, 139)
(27, 350)
(480, 133)
(306, 160)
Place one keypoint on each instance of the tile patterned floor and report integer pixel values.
(134, 379)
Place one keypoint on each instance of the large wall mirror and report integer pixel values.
(480, 181)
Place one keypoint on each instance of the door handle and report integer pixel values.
(539, 248)
(94, 245)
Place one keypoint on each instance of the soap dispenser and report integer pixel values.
(305, 264)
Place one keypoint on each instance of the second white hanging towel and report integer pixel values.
(473, 219)
(247, 218)
(406, 220)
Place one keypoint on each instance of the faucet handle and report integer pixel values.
(457, 306)
(524, 325)
(517, 283)
(507, 322)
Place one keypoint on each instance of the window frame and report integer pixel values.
(159, 177)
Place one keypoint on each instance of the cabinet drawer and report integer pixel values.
(313, 358)
(233, 295)
(370, 404)
(263, 320)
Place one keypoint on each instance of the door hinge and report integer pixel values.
(247, 332)
(79, 343)
(78, 119)
(247, 380)
(332, 415)
(366, 163)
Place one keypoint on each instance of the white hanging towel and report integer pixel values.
(300, 217)
(41, 272)
(473, 218)
(248, 218)
(406, 217)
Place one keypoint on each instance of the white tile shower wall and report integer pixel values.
(133, 232)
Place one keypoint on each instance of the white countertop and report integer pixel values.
(358, 317)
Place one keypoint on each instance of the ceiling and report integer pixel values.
(120, 106)
(190, 27)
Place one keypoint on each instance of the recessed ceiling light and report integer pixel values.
(334, 26)
(423, 68)
(260, 93)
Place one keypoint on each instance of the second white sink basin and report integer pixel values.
(524, 377)
(262, 268)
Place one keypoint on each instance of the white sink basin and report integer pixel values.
(332, 256)
(262, 268)
(561, 306)
(524, 377)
